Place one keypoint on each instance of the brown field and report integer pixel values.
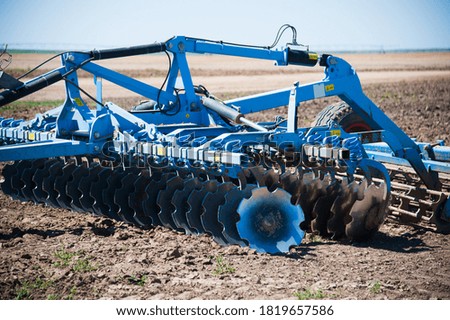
(57, 254)
(241, 76)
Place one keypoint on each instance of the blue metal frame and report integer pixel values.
(197, 134)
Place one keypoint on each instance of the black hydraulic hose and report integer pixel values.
(8, 96)
(128, 51)
(50, 78)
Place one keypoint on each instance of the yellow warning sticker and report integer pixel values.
(313, 56)
(161, 151)
(79, 102)
(329, 87)
(31, 136)
(336, 132)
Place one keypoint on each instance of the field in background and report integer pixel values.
(222, 74)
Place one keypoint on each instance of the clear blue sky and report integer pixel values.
(324, 24)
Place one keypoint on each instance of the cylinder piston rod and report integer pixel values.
(230, 113)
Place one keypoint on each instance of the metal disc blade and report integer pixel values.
(86, 199)
(228, 215)
(164, 202)
(269, 222)
(290, 182)
(38, 178)
(364, 211)
(255, 175)
(321, 210)
(8, 172)
(150, 206)
(341, 208)
(96, 192)
(312, 188)
(270, 179)
(209, 217)
(27, 178)
(121, 196)
(375, 220)
(113, 183)
(179, 201)
(48, 185)
(195, 205)
(72, 188)
(61, 182)
(16, 180)
(136, 199)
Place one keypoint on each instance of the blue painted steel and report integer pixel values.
(428, 151)
(186, 44)
(431, 165)
(269, 222)
(126, 82)
(181, 129)
(47, 149)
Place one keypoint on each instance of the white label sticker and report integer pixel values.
(319, 90)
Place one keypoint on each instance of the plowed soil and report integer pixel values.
(48, 253)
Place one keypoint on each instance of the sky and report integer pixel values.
(324, 25)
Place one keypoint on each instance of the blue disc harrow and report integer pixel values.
(191, 162)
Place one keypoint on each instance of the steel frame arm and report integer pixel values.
(340, 80)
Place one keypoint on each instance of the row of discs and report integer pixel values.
(192, 201)
(337, 208)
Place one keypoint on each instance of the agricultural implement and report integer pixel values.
(189, 161)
